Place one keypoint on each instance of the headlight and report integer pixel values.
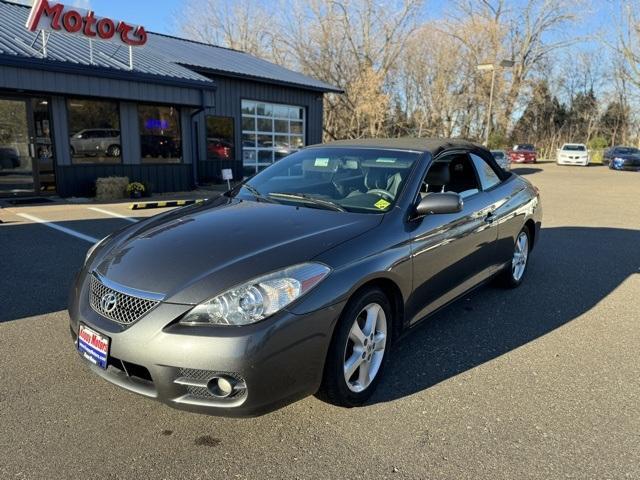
(259, 298)
(93, 248)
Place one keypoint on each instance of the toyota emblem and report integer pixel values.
(108, 302)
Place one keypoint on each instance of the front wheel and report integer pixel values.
(359, 350)
(513, 274)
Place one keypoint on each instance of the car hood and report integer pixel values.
(193, 254)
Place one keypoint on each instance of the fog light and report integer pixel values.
(221, 387)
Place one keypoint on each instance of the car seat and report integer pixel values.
(437, 179)
(383, 179)
(462, 175)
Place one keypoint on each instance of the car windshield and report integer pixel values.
(363, 180)
(574, 148)
(524, 146)
(627, 151)
(498, 155)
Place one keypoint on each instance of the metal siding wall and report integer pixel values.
(60, 126)
(129, 133)
(187, 135)
(200, 124)
(72, 84)
(79, 181)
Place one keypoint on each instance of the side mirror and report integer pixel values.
(436, 203)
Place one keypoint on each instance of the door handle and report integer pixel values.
(32, 150)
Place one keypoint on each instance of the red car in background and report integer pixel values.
(219, 149)
(523, 153)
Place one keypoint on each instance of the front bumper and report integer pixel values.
(523, 160)
(582, 162)
(627, 166)
(280, 359)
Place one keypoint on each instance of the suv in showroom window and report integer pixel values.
(96, 141)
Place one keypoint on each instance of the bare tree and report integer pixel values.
(530, 43)
(356, 45)
(238, 24)
(404, 76)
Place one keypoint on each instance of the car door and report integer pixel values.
(451, 253)
(87, 143)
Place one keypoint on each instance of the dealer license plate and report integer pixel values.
(93, 346)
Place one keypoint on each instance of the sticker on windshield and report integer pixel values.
(382, 204)
(386, 160)
(321, 162)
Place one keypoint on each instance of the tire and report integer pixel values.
(114, 151)
(513, 275)
(335, 389)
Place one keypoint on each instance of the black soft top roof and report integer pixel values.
(431, 145)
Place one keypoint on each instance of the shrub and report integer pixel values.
(111, 188)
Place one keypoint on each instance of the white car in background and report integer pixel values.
(573, 154)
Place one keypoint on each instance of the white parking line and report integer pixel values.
(60, 228)
(113, 214)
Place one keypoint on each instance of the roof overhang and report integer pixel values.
(242, 76)
(95, 71)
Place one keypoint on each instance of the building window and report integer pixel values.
(160, 140)
(269, 133)
(94, 127)
(219, 138)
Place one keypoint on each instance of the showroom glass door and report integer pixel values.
(26, 149)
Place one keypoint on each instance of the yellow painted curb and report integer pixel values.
(167, 204)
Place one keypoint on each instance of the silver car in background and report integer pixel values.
(502, 159)
(96, 141)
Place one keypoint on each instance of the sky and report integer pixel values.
(156, 15)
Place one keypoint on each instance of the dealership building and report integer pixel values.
(84, 97)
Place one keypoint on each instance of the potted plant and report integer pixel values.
(135, 189)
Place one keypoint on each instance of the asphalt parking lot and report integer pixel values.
(539, 382)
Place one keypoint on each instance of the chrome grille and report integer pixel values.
(128, 310)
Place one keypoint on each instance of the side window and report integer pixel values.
(488, 177)
(451, 173)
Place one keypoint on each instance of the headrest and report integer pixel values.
(438, 174)
(376, 178)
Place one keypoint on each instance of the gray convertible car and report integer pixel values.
(300, 280)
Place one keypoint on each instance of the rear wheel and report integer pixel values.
(513, 274)
(359, 350)
(113, 151)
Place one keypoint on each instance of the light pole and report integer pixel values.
(492, 67)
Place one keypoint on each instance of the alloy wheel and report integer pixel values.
(520, 255)
(365, 347)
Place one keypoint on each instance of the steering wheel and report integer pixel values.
(382, 193)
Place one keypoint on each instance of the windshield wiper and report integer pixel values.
(257, 194)
(328, 204)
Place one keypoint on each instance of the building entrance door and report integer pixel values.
(26, 150)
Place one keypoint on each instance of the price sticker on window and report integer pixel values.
(382, 204)
(321, 162)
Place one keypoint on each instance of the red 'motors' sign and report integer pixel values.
(61, 18)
